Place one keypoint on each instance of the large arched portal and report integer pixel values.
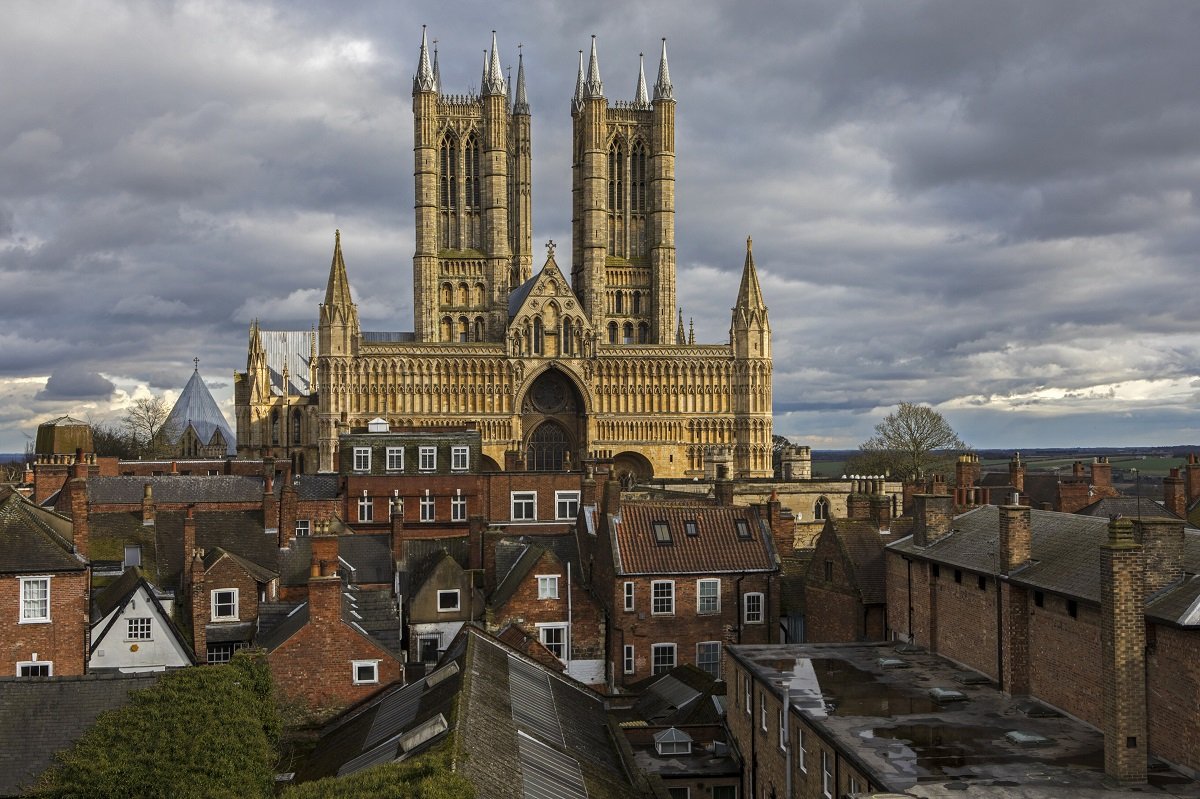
(553, 423)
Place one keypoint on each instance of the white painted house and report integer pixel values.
(132, 629)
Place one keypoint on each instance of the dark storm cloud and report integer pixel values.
(76, 385)
(987, 206)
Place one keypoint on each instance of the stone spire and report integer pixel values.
(663, 89)
(520, 101)
(593, 87)
(641, 100)
(680, 338)
(437, 73)
(337, 292)
(750, 293)
(577, 100)
(426, 78)
(494, 82)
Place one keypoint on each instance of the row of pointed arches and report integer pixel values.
(463, 294)
(463, 330)
(460, 192)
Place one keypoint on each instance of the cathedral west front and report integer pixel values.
(551, 371)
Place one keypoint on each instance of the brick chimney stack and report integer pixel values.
(199, 604)
(147, 505)
(189, 542)
(324, 584)
(587, 494)
(1191, 477)
(1102, 472)
(1162, 549)
(80, 526)
(933, 518)
(1123, 647)
(1016, 537)
(723, 487)
(612, 495)
(881, 512)
(858, 504)
(1175, 494)
(79, 469)
(289, 511)
(1016, 473)
(1077, 469)
(270, 505)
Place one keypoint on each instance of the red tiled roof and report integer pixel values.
(716, 547)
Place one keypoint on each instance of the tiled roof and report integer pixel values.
(1178, 605)
(370, 557)
(716, 547)
(259, 573)
(317, 486)
(40, 717)
(33, 538)
(175, 488)
(862, 545)
(1130, 507)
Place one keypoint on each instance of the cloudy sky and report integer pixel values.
(991, 207)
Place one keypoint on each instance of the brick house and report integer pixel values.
(1092, 616)
(331, 651)
(226, 590)
(541, 592)
(44, 585)
(442, 598)
(678, 581)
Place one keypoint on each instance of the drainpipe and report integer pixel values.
(741, 614)
(787, 742)
(908, 596)
(570, 627)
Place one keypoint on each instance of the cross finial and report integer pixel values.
(196, 361)
(550, 245)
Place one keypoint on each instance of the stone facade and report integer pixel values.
(550, 373)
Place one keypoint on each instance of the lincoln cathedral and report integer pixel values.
(550, 371)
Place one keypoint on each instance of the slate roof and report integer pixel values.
(370, 557)
(1130, 507)
(373, 613)
(862, 545)
(34, 539)
(40, 717)
(1178, 605)
(317, 486)
(1065, 550)
(259, 573)
(197, 408)
(175, 488)
(715, 549)
(530, 555)
(684, 695)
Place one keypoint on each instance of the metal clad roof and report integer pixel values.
(547, 773)
(396, 712)
(292, 348)
(675, 691)
(388, 336)
(532, 702)
(384, 754)
(197, 408)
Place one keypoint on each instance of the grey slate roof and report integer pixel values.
(369, 556)
(40, 717)
(197, 408)
(259, 573)
(388, 336)
(1130, 507)
(33, 538)
(175, 488)
(317, 486)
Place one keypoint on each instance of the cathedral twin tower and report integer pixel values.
(551, 372)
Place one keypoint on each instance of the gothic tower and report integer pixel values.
(471, 157)
(750, 338)
(623, 225)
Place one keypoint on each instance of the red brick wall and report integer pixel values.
(313, 667)
(226, 573)
(1064, 658)
(525, 610)
(833, 609)
(1173, 694)
(966, 631)
(900, 573)
(62, 640)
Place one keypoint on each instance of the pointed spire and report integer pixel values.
(641, 100)
(691, 330)
(679, 337)
(577, 100)
(493, 79)
(520, 102)
(593, 87)
(256, 345)
(437, 73)
(424, 80)
(338, 290)
(663, 90)
(750, 293)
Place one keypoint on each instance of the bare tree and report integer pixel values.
(907, 443)
(145, 422)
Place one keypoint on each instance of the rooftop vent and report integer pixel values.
(378, 425)
(971, 678)
(946, 695)
(1027, 739)
(892, 663)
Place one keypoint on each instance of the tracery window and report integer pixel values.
(448, 194)
(616, 200)
(547, 448)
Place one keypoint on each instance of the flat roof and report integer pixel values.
(882, 715)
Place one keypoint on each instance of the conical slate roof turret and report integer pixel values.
(197, 409)
(520, 101)
(641, 100)
(663, 90)
(593, 87)
(425, 80)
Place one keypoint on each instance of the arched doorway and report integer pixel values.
(553, 422)
(631, 468)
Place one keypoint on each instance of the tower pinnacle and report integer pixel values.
(425, 80)
(593, 87)
(641, 99)
(663, 90)
(337, 292)
(577, 100)
(493, 81)
(520, 101)
(750, 293)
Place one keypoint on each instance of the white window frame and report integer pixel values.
(655, 598)
(700, 586)
(547, 585)
(571, 498)
(362, 459)
(427, 458)
(26, 617)
(428, 508)
(373, 665)
(782, 730)
(826, 776)
(366, 509)
(212, 598)
(144, 628)
(458, 507)
(655, 668)
(629, 593)
(746, 602)
(457, 600)
(395, 459)
(747, 692)
(49, 664)
(762, 710)
(303, 527)
(565, 643)
(628, 661)
(527, 501)
(802, 756)
(460, 459)
(709, 643)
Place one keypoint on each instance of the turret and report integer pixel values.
(425, 150)
(750, 338)
(660, 237)
(257, 372)
(496, 243)
(339, 329)
(592, 162)
(750, 333)
(521, 231)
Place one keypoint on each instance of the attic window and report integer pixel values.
(743, 529)
(673, 742)
(662, 533)
(133, 556)
(690, 527)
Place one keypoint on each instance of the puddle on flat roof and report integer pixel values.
(947, 750)
(854, 692)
